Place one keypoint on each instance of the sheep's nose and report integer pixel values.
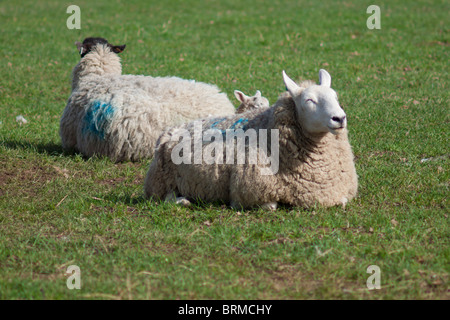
(339, 119)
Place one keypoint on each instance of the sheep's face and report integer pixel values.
(250, 103)
(318, 107)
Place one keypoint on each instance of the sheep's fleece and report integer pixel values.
(121, 116)
(313, 168)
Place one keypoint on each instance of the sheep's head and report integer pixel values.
(317, 105)
(88, 43)
(250, 103)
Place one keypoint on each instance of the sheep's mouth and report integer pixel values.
(337, 129)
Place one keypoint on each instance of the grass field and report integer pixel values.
(59, 209)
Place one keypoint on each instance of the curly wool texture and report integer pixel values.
(313, 169)
(121, 116)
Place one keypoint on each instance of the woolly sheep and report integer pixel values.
(121, 116)
(315, 158)
(249, 103)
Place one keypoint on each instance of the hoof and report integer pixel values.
(171, 197)
(183, 201)
(272, 206)
(344, 202)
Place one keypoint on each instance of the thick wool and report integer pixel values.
(313, 168)
(121, 116)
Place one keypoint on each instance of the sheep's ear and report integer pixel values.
(80, 47)
(324, 78)
(240, 96)
(118, 49)
(293, 88)
(258, 94)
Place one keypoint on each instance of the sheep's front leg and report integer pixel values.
(171, 197)
(271, 206)
(344, 201)
(235, 205)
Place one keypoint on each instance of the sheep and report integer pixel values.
(308, 131)
(121, 116)
(249, 103)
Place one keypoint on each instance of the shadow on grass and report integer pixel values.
(198, 210)
(52, 149)
(138, 200)
(196, 204)
(129, 200)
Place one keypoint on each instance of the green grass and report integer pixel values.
(58, 209)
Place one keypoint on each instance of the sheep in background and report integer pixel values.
(249, 103)
(121, 116)
(315, 163)
(95, 64)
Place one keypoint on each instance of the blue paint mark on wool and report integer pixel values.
(97, 119)
(213, 126)
(239, 124)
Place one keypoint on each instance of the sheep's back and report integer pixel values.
(122, 115)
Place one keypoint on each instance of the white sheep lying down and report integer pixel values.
(121, 116)
(315, 160)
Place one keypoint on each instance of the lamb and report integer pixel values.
(308, 132)
(121, 116)
(249, 103)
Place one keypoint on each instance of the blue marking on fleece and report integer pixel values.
(240, 124)
(97, 118)
(213, 126)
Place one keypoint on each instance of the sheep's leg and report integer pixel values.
(235, 205)
(272, 206)
(344, 201)
(183, 201)
(171, 197)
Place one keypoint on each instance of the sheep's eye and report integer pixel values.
(311, 100)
